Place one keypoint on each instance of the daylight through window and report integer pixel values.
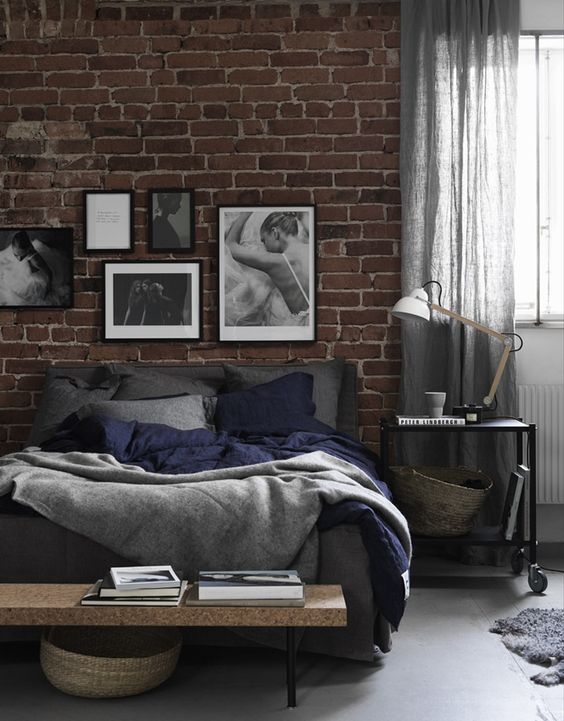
(539, 229)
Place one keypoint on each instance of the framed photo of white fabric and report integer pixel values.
(36, 267)
(266, 270)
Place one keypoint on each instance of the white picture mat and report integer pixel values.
(273, 332)
(158, 332)
(108, 221)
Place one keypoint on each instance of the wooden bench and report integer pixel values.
(44, 604)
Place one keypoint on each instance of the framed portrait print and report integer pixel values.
(152, 300)
(266, 273)
(108, 220)
(171, 220)
(36, 267)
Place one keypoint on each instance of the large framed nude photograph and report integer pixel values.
(266, 271)
(36, 267)
(152, 300)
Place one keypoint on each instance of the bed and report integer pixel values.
(37, 549)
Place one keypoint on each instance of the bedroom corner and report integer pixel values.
(212, 216)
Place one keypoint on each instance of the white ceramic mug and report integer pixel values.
(435, 403)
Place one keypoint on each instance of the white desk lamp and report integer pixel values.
(416, 306)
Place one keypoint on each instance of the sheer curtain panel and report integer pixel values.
(457, 166)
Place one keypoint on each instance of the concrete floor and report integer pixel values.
(445, 666)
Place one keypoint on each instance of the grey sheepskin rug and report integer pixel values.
(538, 635)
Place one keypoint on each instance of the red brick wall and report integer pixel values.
(247, 102)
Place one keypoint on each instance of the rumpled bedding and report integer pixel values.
(200, 499)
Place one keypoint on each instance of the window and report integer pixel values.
(539, 229)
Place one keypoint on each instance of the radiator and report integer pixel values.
(543, 404)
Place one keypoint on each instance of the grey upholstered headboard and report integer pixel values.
(347, 421)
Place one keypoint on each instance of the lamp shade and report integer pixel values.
(414, 306)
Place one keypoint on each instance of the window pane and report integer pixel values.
(526, 200)
(551, 176)
(539, 226)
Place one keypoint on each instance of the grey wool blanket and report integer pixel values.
(256, 516)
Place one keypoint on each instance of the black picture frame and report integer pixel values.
(171, 220)
(108, 221)
(256, 302)
(134, 309)
(36, 268)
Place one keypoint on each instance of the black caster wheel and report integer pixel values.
(537, 580)
(517, 562)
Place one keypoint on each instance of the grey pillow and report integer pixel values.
(327, 379)
(137, 383)
(64, 394)
(183, 412)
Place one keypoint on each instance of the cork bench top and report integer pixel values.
(46, 604)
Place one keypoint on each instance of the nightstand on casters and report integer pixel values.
(488, 535)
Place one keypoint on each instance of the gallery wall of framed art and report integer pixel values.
(266, 273)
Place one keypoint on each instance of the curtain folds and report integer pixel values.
(457, 164)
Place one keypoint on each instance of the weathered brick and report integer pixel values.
(250, 103)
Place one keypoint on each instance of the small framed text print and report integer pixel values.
(266, 273)
(108, 220)
(152, 300)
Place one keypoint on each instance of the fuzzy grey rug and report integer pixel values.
(538, 635)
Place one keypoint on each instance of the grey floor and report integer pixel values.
(445, 666)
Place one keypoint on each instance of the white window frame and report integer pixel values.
(540, 319)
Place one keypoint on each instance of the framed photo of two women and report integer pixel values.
(266, 273)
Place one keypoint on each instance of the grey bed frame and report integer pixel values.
(36, 550)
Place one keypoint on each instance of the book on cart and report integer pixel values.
(428, 421)
(238, 585)
(129, 578)
(93, 598)
(193, 599)
(511, 504)
(525, 471)
(109, 590)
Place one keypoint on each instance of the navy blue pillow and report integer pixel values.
(275, 408)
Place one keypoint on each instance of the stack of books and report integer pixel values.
(247, 588)
(136, 586)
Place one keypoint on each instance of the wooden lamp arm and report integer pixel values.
(507, 342)
(468, 321)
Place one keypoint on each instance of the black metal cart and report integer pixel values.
(488, 535)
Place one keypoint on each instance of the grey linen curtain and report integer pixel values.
(457, 161)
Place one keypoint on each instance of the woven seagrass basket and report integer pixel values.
(100, 662)
(434, 501)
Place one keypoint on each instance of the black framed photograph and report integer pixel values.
(108, 220)
(266, 273)
(152, 300)
(36, 267)
(171, 220)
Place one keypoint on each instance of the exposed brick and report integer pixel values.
(253, 103)
(201, 77)
(253, 77)
(257, 42)
(149, 13)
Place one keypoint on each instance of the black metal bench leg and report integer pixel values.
(291, 665)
